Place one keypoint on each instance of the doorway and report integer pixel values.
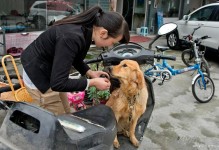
(128, 11)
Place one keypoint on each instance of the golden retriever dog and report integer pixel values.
(128, 102)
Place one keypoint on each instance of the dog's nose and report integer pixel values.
(103, 76)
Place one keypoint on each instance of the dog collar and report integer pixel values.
(131, 105)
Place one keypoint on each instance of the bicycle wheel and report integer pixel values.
(201, 94)
(149, 72)
(188, 57)
(205, 67)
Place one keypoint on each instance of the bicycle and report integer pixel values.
(188, 55)
(21, 26)
(164, 72)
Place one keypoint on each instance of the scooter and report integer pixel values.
(26, 126)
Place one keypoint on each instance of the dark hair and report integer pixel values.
(113, 22)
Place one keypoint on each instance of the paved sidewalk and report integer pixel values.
(178, 121)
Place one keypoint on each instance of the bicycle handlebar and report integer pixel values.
(205, 37)
(158, 56)
(195, 30)
(191, 35)
(198, 40)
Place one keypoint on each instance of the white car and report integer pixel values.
(207, 17)
(43, 12)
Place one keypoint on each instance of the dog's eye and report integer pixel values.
(124, 65)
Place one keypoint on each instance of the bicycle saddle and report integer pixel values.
(162, 48)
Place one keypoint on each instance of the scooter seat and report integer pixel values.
(100, 114)
(30, 127)
(98, 124)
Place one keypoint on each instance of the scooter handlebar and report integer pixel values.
(165, 57)
(130, 51)
(95, 60)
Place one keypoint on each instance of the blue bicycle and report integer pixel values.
(202, 85)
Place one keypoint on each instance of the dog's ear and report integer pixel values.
(140, 79)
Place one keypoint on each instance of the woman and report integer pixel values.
(47, 60)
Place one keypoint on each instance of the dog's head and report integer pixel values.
(129, 74)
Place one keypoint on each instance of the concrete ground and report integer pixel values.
(178, 121)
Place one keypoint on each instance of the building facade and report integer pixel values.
(148, 13)
(23, 20)
(35, 16)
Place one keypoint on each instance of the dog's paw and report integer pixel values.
(116, 144)
(134, 141)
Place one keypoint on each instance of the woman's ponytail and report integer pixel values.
(113, 22)
(86, 18)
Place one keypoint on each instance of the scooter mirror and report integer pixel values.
(167, 28)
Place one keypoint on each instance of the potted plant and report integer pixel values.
(103, 96)
(98, 97)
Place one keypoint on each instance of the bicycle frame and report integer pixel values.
(202, 85)
(176, 71)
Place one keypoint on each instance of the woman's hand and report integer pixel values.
(97, 81)
(100, 83)
(96, 74)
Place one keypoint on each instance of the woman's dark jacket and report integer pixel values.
(48, 60)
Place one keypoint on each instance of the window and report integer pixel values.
(203, 14)
(170, 8)
(35, 15)
(41, 6)
(216, 15)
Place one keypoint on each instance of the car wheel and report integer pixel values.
(173, 40)
(40, 22)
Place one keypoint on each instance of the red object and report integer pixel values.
(76, 99)
(139, 39)
(15, 52)
(103, 102)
